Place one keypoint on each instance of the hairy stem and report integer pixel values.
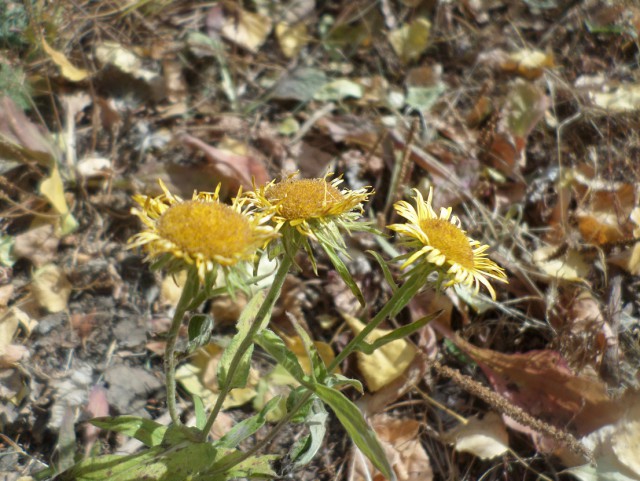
(172, 338)
(265, 310)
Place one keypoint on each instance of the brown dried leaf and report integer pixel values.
(541, 383)
(401, 443)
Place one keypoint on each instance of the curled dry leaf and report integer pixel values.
(387, 363)
(51, 288)
(67, 69)
(570, 266)
(485, 438)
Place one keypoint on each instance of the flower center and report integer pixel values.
(449, 240)
(304, 198)
(206, 228)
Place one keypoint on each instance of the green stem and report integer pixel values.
(263, 313)
(172, 338)
(399, 299)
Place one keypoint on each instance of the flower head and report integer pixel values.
(305, 203)
(440, 240)
(202, 232)
(304, 209)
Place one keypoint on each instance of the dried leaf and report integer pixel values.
(53, 189)
(38, 244)
(401, 443)
(569, 267)
(292, 38)
(296, 345)
(387, 363)
(625, 98)
(541, 383)
(486, 438)
(339, 89)
(200, 377)
(411, 40)
(247, 29)
(528, 63)
(67, 69)
(51, 288)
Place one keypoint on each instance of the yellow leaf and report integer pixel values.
(199, 377)
(411, 40)
(68, 70)
(386, 363)
(528, 63)
(297, 347)
(292, 38)
(53, 189)
(51, 288)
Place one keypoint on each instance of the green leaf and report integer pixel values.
(360, 432)
(338, 89)
(244, 323)
(317, 424)
(399, 333)
(337, 380)
(249, 426)
(149, 432)
(201, 415)
(275, 346)
(385, 270)
(416, 279)
(253, 467)
(341, 268)
(200, 327)
(295, 396)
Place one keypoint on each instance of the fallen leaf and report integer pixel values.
(51, 288)
(339, 89)
(411, 40)
(292, 38)
(171, 288)
(21, 139)
(67, 69)
(200, 377)
(234, 169)
(541, 383)
(528, 63)
(301, 84)
(400, 441)
(53, 189)
(38, 244)
(296, 345)
(247, 29)
(424, 87)
(387, 363)
(615, 448)
(485, 438)
(97, 406)
(624, 98)
(570, 266)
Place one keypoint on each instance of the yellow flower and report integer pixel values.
(439, 240)
(304, 203)
(201, 232)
